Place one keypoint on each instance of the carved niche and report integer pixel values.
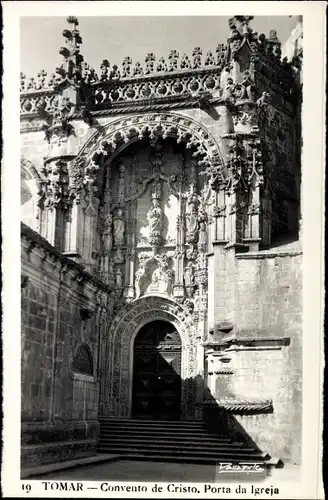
(154, 275)
(119, 228)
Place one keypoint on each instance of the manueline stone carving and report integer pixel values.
(203, 236)
(189, 274)
(107, 234)
(155, 219)
(192, 220)
(119, 228)
(118, 277)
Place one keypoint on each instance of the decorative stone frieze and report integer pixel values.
(180, 77)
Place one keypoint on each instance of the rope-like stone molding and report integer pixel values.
(148, 108)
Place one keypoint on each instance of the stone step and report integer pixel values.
(164, 432)
(197, 424)
(185, 459)
(171, 451)
(184, 437)
(173, 443)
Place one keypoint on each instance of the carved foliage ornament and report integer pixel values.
(53, 187)
(119, 133)
(243, 166)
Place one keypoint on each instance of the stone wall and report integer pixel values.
(269, 306)
(63, 308)
(265, 354)
(257, 357)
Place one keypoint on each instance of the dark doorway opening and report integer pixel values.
(157, 372)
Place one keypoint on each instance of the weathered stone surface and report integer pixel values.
(166, 203)
(56, 407)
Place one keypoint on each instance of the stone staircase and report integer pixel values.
(172, 441)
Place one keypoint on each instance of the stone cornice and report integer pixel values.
(240, 406)
(267, 255)
(253, 343)
(202, 100)
(35, 240)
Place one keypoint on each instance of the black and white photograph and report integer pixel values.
(162, 252)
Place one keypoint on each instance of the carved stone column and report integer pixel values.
(54, 201)
(252, 236)
(178, 289)
(91, 250)
(232, 209)
(131, 255)
(266, 214)
(70, 246)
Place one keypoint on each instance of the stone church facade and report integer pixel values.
(162, 200)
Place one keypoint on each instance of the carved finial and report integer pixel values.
(104, 68)
(150, 60)
(209, 60)
(161, 66)
(197, 56)
(41, 79)
(173, 58)
(273, 37)
(115, 74)
(22, 82)
(31, 84)
(220, 54)
(239, 25)
(71, 67)
(137, 70)
(273, 45)
(126, 66)
(185, 62)
(73, 20)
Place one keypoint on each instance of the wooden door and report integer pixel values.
(156, 372)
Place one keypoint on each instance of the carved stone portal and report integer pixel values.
(118, 362)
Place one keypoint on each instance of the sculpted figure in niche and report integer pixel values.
(189, 274)
(118, 257)
(119, 228)
(119, 277)
(202, 242)
(155, 219)
(192, 223)
(154, 285)
(107, 234)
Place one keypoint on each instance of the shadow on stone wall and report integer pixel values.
(158, 385)
(220, 420)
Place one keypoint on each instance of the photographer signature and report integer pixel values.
(240, 467)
